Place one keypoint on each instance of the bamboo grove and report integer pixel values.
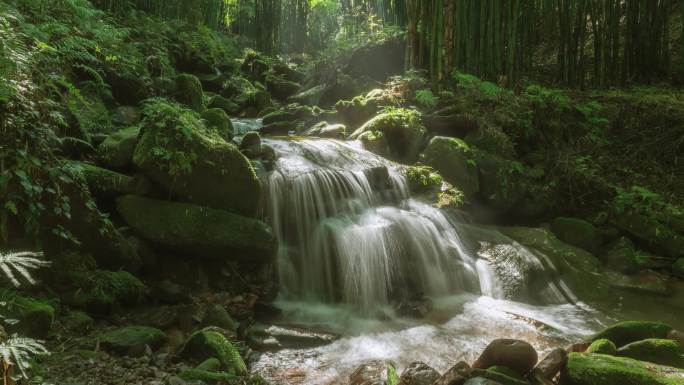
(571, 42)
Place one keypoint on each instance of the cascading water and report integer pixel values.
(350, 233)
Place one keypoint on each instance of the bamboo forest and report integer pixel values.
(342, 192)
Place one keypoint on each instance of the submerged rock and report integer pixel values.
(453, 159)
(517, 355)
(198, 230)
(273, 337)
(599, 369)
(374, 373)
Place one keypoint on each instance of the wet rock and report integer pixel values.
(219, 176)
(456, 375)
(658, 351)
(583, 369)
(251, 139)
(217, 119)
(116, 151)
(602, 346)
(190, 92)
(676, 335)
(132, 340)
(515, 354)
(208, 343)
(403, 131)
(197, 230)
(577, 232)
(279, 116)
(280, 87)
(278, 128)
(452, 158)
(374, 373)
(551, 364)
(418, 373)
(327, 130)
(272, 337)
(375, 142)
(625, 332)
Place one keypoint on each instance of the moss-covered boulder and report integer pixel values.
(651, 233)
(327, 130)
(108, 184)
(132, 340)
(116, 151)
(208, 343)
(227, 105)
(625, 332)
(279, 116)
(278, 128)
(217, 119)
(577, 232)
(678, 268)
(403, 131)
(102, 291)
(189, 92)
(659, 351)
(35, 316)
(375, 142)
(194, 163)
(453, 159)
(197, 230)
(280, 87)
(218, 316)
(374, 372)
(77, 322)
(500, 182)
(602, 346)
(599, 369)
(623, 256)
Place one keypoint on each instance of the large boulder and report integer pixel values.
(577, 232)
(108, 184)
(659, 351)
(35, 317)
(602, 346)
(189, 92)
(599, 369)
(403, 130)
(378, 60)
(196, 229)
(280, 87)
(327, 130)
(456, 375)
(217, 119)
(132, 340)
(453, 159)
(500, 181)
(517, 355)
(116, 151)
(195, 163)
(623, 333)
(651, 233)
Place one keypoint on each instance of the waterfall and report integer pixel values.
(350, 233)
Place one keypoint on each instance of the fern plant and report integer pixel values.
(16, 351)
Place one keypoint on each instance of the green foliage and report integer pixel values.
(426, 98)
(21, 264)
(423, 178)
(18, 351)
(473, 84)
(641, 199)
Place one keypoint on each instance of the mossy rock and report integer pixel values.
(218, 316)
(77, 321)
(208, 372)
(217, 119)
(35, 316)
(279, 116)
(198, 230)
(678, 268)
(600, 369)
(102, 291)
(107, 184)
(189, 92)
(454, 160)
(375, 142)
(659, 351)
(403, 131)
(500, 375)
(208, 343)
(423, 179)
(281, 88)
(577, 232)
(623, 333)
(623, 256)
(132, 340)
(227, 105)
(500, 182)
(602, 346)
(116, 151)
(194, 163)
(651, 234)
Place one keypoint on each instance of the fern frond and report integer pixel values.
(16, 266)
(17, 351)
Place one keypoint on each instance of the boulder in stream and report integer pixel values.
(623, 333)
(517, 355)
(577, 232)
(418, 373)
(595, 369)
(403, 131)
(453, 159)
(656, 350)
(374, 373)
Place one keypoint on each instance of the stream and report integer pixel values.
(356, 251)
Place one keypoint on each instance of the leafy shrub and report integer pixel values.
(426, 98)
(641, 199)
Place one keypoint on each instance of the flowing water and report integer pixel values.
(354, 245)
